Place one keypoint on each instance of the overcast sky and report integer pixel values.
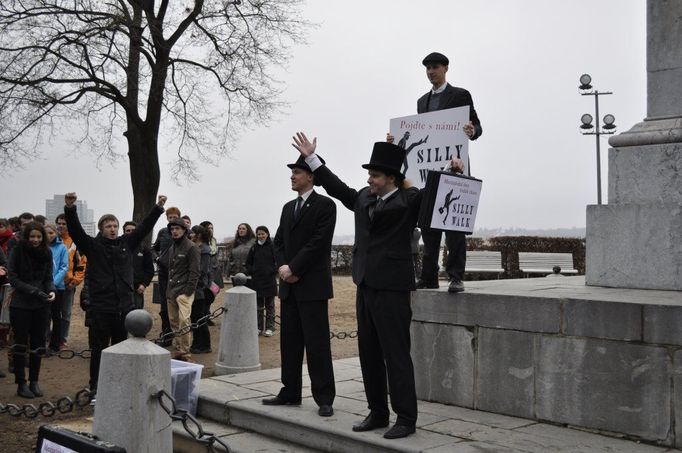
(520, 60)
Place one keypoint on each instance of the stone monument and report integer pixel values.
(635, 241)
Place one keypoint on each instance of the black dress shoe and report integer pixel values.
(24, 392)
(33, 387)
(371, 422)
(277, 401)
(398, 431)
(325, 410)
(424, 284)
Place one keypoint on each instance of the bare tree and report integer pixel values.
(196, 68)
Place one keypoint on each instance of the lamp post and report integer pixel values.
(586, 120)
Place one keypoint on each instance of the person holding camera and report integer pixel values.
(30, 273)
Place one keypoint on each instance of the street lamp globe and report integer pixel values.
(585, 81)
(609, 121)
(586, 119)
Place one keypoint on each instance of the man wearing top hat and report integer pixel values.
(303, 254)
(385, 215)
(444, 96)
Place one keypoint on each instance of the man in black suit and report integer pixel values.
(444, 96)
(303, 254)
(385, 215)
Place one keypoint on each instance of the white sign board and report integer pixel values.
(431, 140)
(51, 447)
(456, 203)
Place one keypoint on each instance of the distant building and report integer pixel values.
(55, 206)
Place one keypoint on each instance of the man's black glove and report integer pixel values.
(85, 304)
(42, 295)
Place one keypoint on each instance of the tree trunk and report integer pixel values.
(143, 158)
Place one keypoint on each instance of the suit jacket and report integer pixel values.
(382, 255)
(305, 245)
(453, 97)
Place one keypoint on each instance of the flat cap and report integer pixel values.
(435, 58)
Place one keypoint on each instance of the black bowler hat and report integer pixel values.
(435, 58)
(301, 163)
(387, 158)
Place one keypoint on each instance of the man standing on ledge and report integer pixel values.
(385, 216)
(303, 254)
(444, 96)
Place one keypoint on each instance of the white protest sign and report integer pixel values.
(431, 140)
(456, 203)
(51, 447)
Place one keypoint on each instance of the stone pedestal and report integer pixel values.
(238, 351)
(126, 413)
(636, 240)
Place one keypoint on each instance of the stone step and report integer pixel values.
(237, 440)
(234, 402)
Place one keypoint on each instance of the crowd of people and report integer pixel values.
(43, 267)
(42, 264)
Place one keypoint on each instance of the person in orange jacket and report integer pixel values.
(74, 277)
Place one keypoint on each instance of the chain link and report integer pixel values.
(46, 352)
(164, 337)
(63, 405)
(189, 422)
(338, 335)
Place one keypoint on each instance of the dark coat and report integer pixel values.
(110, 262)
(450, 98)
(30, 274)
(261, 266)
(204, 281)
(305, 245)
(160, 248)
(183, 268)
(382, 254)
(143, 266)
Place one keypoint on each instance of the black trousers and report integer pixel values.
(265, 309)
(56, 308)
(305, 325)
(163, 312)
(384, 342)
(105, 329)
(201, 337)
(29, 329)
(457, 254)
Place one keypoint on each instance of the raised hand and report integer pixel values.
(303, 145)
(70, 198)
(162, 200)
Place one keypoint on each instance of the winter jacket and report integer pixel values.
(183, 268)
(60, 263)
(77, 262)
(260, 265)
(110, 262)
(238, 254)
(204, 281)
(143, 266)
(30, 273)
(160, 248)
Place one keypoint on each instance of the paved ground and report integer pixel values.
(441, 428)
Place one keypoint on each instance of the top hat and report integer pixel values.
(435, 58)
(387, 158)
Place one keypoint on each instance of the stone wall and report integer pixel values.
(609, 366)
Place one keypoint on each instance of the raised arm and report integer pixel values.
(76, 231)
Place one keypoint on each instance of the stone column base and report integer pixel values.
(634, 246)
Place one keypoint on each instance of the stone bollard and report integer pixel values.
(238, 350)
(126, 413)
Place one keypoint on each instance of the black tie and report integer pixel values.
(297, 209)
(375, 206)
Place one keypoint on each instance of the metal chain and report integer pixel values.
(43, 351)
(338, 335)
(189, 422)
(63, 405)
(163, 337)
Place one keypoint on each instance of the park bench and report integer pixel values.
(484, 262)
(543, 263)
